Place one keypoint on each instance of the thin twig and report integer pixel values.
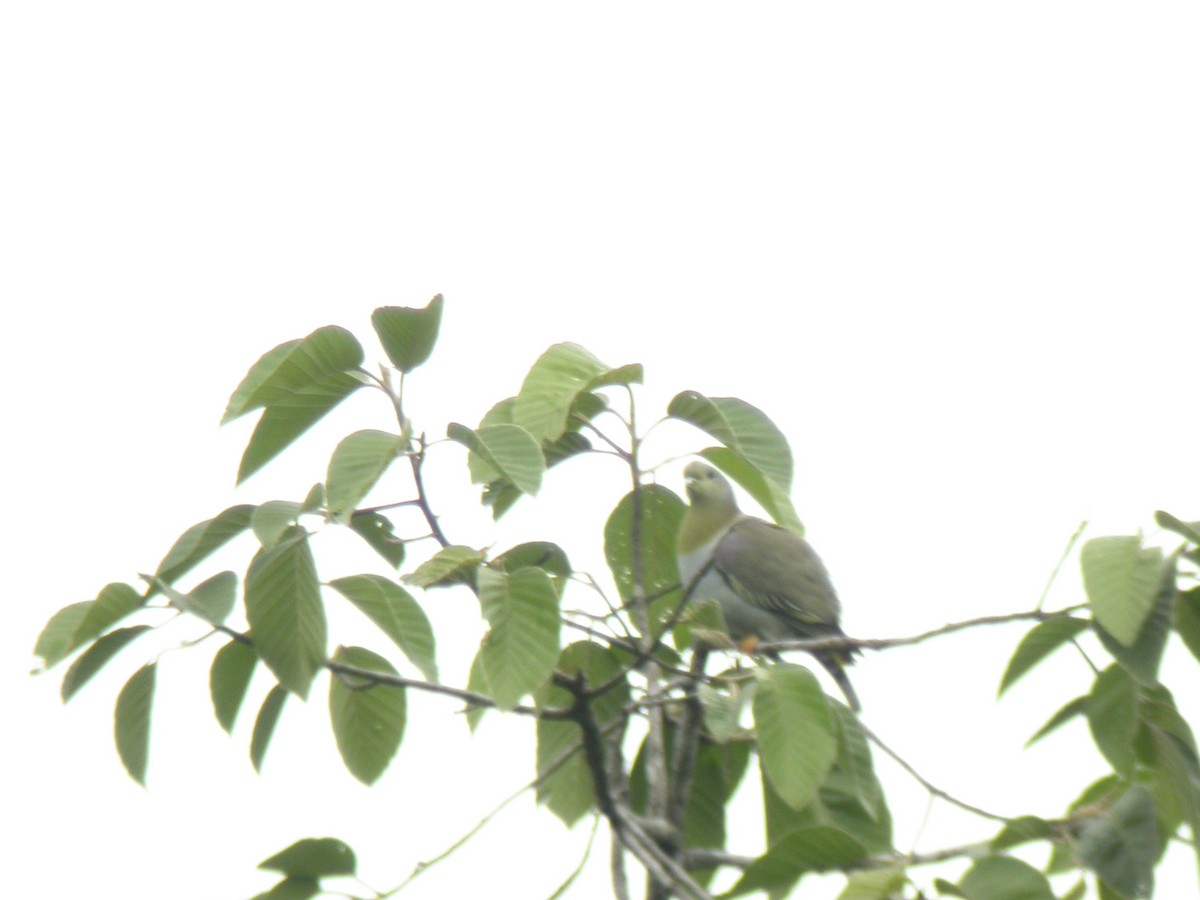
(850, 643)
(386, 506)
(545, 772)
(620, 879)
(1061, 561)
(618, 450)
(664, 871)
(423, 498)
(587, 852)
(472, 698)
(646, 652)
(925, 783)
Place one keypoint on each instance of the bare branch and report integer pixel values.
(850, 643)
(472, 698)
(418, 461)
(687, 742)
(931, 788)
(620, 880)
(1074, 539)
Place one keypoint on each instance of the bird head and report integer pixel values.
(712, 507)
(707, 488)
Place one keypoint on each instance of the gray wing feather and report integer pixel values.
(776, 570)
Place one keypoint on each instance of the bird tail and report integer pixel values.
(835, 665)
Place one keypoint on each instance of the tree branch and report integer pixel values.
(842, 642)
(931, 788)
(418, 460)
(687, 742)
(472, 698)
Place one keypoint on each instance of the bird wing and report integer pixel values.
(776, 570)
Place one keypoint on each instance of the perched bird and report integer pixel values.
(770, 584)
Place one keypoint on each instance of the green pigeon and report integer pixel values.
(770, 584)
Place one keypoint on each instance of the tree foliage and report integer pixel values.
(629, 725)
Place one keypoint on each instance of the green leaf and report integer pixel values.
(661, 513)
(408, 335)
(502, 451)
(477, 684)
(297, 383)
(742, 428)
(368, 719)
(274, 519)
(852, 796)
(1167, 748)
(1042, 640)
(264, 725)
(201, 541)
(380, 535)
(1122, 845)
(1121, 578)
(554, 383)
(211, 600)
(57, 640)
(797, 742)
(294, 888)
(544, 555)
(1187, 620)
(1069, 710)
(874, 884)
(285, 613)
(358, 462)
(769, 495)
(1112, 714)
(1188, 530)
(816, 849)
(1143, 657)
(294, 366)
(396, 613)
(522, 644)
(723, 710)
(81, 623)
(501, 494)
(451, 565)
(567, 790)
(718, 769)
(132, 726)
(313, 858)
(228, 679)
(314, 501)
(94, 658)
(946, 889)
(1004, 878)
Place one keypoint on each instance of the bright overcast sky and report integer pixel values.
(949, 247)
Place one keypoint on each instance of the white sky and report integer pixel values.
(950, 248)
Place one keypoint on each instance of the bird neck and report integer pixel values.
(702, 523)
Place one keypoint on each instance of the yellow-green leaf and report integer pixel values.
(285, 612)
(797, 740)
(132, 722)
(408, 335)
(396, 613)
(1121, 577)
(522, 644)
(368, 719)
(358, 462)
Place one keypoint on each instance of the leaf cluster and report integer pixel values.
(629, 726)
